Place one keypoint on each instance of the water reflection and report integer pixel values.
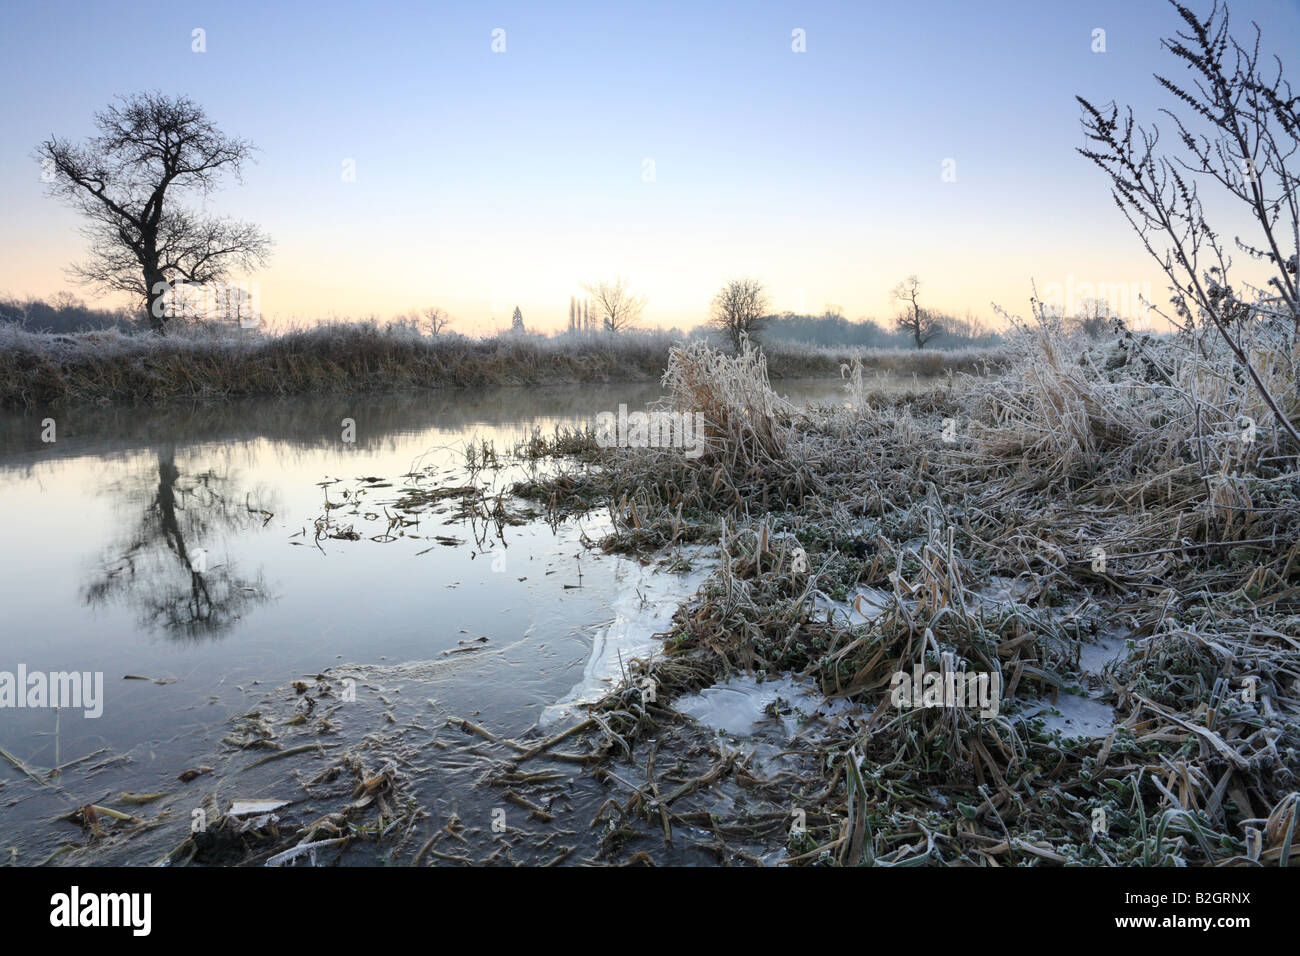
(184, 553)
(303, 422)
(165, 567)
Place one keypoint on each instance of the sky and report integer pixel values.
(674, 144)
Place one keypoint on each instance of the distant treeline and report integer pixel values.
(831, 330)
(66, 313)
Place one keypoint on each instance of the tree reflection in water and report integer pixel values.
(162, 568)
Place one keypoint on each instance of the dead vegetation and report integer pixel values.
(1127, 487)
(201, 364)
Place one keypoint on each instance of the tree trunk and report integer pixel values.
(157, 289)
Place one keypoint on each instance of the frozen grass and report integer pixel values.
(38, 370)
(1136, 448)
(205, 362)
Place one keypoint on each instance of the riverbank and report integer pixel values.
(1108, 558)
(44, 371)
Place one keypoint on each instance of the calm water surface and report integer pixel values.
(104, 526)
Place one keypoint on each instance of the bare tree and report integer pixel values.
(614, 304)
(970, 326)
(436, 319)
(126, 181)
(917, 322)
(1254, 125)
(739, 309)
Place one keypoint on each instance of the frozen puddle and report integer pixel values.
(1109, 647)
(740, 704)
(643, 609)
(1074, 716)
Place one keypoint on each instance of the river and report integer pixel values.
(174, 552)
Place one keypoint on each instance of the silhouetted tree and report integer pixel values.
(437, 319)
(125, 181)
(739, 309)
(917, 322)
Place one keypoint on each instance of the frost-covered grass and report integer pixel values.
(1134, 492)
(206, 363)
(210, 362)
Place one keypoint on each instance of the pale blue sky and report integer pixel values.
(488, 179)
